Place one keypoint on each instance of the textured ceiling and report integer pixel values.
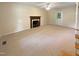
(42, 4)
(57, 4)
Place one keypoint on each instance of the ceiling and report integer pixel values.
(58, 4)
(54, 4)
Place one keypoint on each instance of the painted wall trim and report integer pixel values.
(12, 32)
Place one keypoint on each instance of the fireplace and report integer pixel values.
(34, 21)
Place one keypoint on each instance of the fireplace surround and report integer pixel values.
(34, 21)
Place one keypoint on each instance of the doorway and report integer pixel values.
(59, 17)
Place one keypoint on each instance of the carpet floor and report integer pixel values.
(42, 41)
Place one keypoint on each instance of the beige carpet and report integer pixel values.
(46, 40)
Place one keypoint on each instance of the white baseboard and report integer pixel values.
(12, 32)
(62, 26)
(43, 25)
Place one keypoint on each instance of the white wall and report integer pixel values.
(68, 16)
(16, 17)
(78, 18)
(77, 32)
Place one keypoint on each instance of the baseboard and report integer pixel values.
(15, 32)
(12, 32)
(48, 24)
(62, 26)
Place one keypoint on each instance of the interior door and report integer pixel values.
(59, 17)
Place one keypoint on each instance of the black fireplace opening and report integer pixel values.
(36, 24)
(34, 21)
